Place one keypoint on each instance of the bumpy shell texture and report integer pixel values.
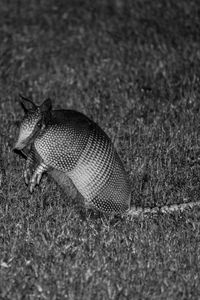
(75, 145)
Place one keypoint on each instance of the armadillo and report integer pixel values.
(67, 144)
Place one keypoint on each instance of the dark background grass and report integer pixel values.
(132, 66)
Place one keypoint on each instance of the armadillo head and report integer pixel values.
(35, 119)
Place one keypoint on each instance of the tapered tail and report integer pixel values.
(134, 212)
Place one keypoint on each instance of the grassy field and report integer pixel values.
(132, 66)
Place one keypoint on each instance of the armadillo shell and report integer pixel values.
(77, 146)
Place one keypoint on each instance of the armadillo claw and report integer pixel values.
(35, 180)
(39, 178)
(32, 185)
(27, 175)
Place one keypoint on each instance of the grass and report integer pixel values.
(134, 68)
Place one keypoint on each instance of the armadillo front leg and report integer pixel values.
(29, 166)
(37, 175)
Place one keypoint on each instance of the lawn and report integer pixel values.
(133, 67)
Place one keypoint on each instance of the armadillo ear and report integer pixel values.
(46, 105)
(27, 104)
